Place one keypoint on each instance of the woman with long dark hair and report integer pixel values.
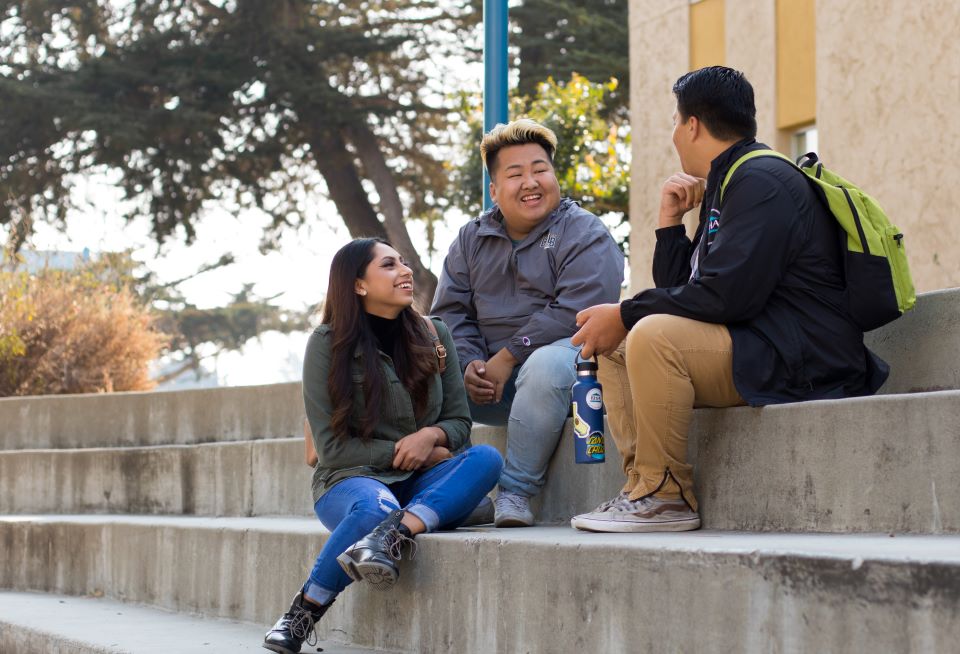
(390, 425)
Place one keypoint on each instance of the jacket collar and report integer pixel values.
(721, 164)
(491, 222)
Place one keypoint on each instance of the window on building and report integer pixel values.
(804, 140)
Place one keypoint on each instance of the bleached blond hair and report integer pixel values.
(518, 132)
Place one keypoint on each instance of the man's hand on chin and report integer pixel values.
(601, 330)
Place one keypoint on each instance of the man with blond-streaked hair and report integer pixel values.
(512, 284)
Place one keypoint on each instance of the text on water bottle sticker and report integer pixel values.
(595, 399)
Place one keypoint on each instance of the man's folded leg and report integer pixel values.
(673, 364)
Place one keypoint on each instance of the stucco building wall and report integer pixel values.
(888, 111)
(659, 54)
(888, 93)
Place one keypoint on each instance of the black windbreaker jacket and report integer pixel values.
(770, 269)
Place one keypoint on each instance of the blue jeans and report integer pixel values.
(534, 407)
(442, 497)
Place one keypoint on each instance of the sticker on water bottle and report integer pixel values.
(595, 399)
(580, 426)
(595, 445)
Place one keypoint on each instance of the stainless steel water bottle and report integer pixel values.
(587, 398)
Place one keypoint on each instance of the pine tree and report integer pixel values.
(191, 102)
(560, 37)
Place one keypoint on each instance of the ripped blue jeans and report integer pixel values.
(442, 497)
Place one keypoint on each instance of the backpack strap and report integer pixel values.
(437, 344)
(747, 157)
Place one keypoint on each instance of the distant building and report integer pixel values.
(872, 87)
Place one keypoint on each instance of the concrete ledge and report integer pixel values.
(151, 418)
(886, 463)
(33, 623)
(266, 477)
(500, 591)
(923, 349)
(923, 346)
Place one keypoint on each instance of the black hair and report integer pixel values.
(414, 358)
(721, 98)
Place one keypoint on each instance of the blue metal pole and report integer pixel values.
(494, 73)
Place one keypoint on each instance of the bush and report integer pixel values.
(73, 332)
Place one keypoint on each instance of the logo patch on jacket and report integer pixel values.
(713, 225)
(548, 241)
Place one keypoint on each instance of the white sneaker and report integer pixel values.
(620, 502)
(643, 515)
(512, 510)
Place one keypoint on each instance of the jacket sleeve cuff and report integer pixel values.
(457, 433)
(672, 233)
(628, 314)
(381, 454)
(521, 353)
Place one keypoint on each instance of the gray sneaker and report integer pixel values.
(643, 515)
(512, 510)
(483, 514)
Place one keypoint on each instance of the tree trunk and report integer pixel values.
(376, 169)
(336, 165)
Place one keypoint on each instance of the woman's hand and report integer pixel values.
(438, 454)
(414, 450)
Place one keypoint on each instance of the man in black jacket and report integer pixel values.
(752, 311)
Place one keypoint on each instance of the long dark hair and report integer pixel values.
(413, 357)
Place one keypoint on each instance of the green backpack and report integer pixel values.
(879, 287)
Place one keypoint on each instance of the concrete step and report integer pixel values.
(923, 346)
(243, 478)
(885, 463)
(545, 589)
(151, 418)
(35, 623)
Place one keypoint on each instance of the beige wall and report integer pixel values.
(659, 54)
(752, 48)
(888, 110)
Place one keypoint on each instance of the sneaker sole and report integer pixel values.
(378, 575)
(625, 527)
(280, 649)
(512, 522)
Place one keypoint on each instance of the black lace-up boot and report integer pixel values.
(295, 626)
(373, 558)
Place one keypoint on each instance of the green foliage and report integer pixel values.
(560, 37)
(592, 155)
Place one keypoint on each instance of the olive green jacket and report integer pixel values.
(338, 458)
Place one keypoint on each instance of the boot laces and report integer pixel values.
(395, 542)
(302, 626)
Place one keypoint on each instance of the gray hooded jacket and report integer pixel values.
(493, 294)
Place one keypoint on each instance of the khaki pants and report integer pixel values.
(665, 367)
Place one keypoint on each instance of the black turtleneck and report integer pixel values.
(385, 330)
